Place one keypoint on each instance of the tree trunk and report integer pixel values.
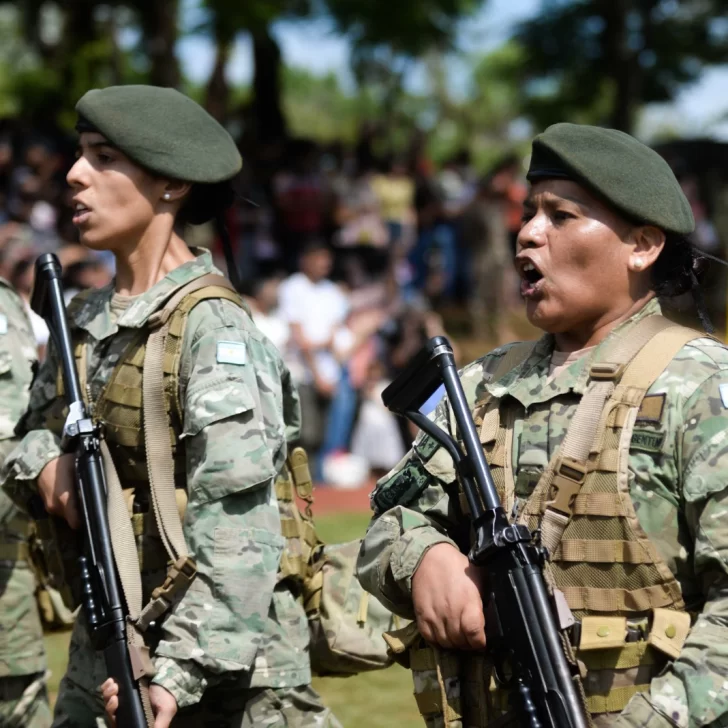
(622, 65)
(159, 26)
(267, 112)
(217, 94)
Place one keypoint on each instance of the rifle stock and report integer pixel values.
(521, 629)
(102, 601)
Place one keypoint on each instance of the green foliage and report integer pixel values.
(409, 27)
(599, 60)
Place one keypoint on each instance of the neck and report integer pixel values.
(153, 256)
(592, 335)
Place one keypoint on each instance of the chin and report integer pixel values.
(93, 241)
(548, 323)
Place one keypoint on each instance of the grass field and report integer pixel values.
(379, 699)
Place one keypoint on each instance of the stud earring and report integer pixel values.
(166, 196)
(638, 263)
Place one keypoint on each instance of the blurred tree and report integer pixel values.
(599, 60)
(384, 35)
(159, 24)
(226, 19)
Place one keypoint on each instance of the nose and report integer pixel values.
(76, 176)
(533, 232)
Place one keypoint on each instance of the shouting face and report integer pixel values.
(576, 260)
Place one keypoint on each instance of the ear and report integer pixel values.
(648, 242)
(175, 190)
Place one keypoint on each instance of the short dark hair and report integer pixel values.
(677, 271)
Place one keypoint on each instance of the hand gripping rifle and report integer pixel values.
(103, 604)
(521, 628)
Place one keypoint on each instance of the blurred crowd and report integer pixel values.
(349, 259)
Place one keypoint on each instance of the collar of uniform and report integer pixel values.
(147, 303)
(95, 314)
(524, 383)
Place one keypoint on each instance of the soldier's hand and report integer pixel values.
(164, 705)
(447, 599)
(58, 490)
(110, 694)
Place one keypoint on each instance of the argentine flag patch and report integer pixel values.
(231, 352)
(723, 389)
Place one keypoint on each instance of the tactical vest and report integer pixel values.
(629, 617)
(119, 410)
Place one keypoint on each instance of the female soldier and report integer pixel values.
(231, 649)
(631, 514)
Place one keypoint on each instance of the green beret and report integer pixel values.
(162, 130)
(629, 176)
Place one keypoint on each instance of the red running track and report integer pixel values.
(336, 500)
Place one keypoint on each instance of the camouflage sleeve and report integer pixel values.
(694, 690)
(235, 444)
(413, 511)
(38, 445)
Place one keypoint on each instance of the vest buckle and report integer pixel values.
(569, 476)
(606, 371)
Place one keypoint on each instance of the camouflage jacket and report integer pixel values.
(678, 485)
(21, 635)
(231, 620)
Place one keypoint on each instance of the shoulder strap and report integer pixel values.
(635, 361)
(160, 461)
(161, 316)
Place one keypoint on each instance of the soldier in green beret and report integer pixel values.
(608, 434)
(23, 693)
(227, 637)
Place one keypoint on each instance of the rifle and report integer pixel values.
(521, 628)
(102, 602)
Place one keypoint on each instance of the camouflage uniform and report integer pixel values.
(23, 695)
(234, 630)
(678, 468)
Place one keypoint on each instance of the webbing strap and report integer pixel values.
(569, 469)
(160, 460)
(127, 564)
(591, 599)
(615, 700)
(632, 654)
(606, 552)
(159, 318)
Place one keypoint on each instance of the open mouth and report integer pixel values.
(80, 213)
(531, 277)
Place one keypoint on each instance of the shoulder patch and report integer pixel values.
(647, 441)
(651, 408)
(3, 324)
(231, 352)
(402, 488)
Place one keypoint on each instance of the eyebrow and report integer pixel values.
(95, 145)
(555, 199)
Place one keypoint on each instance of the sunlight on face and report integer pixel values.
(573, 254)
(114, 199)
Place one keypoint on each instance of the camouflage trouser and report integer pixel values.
(24, 702)
(79, 703)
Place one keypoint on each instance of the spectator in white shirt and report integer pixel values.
(264, 307)
(315, 308)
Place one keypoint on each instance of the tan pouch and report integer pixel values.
(669, 631)
(346, 624)
(602, 633)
